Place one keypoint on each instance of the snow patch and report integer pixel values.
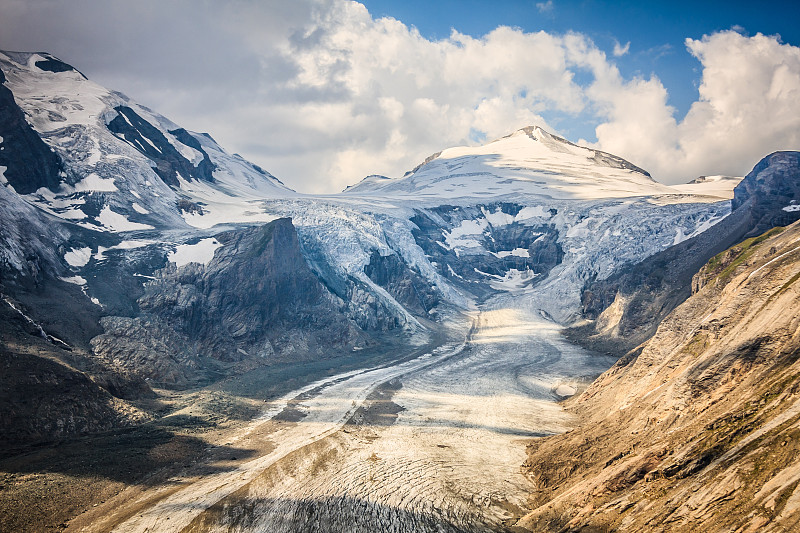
(453, 272)
(72, 214)
(118, 222)
(498, 218)
(201, 252)
(94, 183)
(788, 208)
(139, 209)
(124, 245)
(705, 225)
(461, 236)
(534, 211)
(516, 252)
(78, 257)
(75, 280)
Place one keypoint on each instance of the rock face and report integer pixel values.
(148, 140)
(467, 256)
(626, 308)
(698, 430)
(255, 302)
(405, 285)
(100, 193)
(54, 390)
(30, 163)
(771, 189)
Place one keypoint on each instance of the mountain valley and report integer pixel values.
(528, 335)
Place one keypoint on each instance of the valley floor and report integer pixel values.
(431, 443)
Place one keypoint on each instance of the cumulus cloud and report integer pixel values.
(748, 106)
(321, 93)
(399, 96)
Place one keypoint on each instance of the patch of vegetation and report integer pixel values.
(724, 264)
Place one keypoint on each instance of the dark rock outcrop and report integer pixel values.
(53, 64)
(205, 167)
(148, 140)
(43, 399)
(774, 183)
(30, 163)
(404, 284)
(256, 302)
(49, 390)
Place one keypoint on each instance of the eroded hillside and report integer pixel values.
(700, 429)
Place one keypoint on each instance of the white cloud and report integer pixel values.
(620, 50)
(748, 106)
(382, 97)
(321, 93)
(545, 7)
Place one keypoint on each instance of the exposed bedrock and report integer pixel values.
(698, 430)
(256, 302)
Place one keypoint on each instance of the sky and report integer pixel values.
(325, 92)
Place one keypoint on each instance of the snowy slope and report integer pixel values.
(529, 161)
(530, 215)
(125, 167)
(536, 217)
(717, 186)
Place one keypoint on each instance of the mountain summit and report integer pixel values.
(528, 161)
(95, 157)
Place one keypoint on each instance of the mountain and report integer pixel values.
(133, 242)
(699, 430)
(529, 161)
(145, 273)
(107, 272)
(625, 308)
(92, 156)
(116, 201)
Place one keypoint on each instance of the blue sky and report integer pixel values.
(324, 92)
(656, 31)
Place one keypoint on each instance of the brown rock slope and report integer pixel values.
(700, 429)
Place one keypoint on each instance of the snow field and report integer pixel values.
(201, 252)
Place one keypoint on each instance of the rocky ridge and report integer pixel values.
(255, 302)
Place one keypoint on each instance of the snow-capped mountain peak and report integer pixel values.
(110, 164)
(529, 161)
